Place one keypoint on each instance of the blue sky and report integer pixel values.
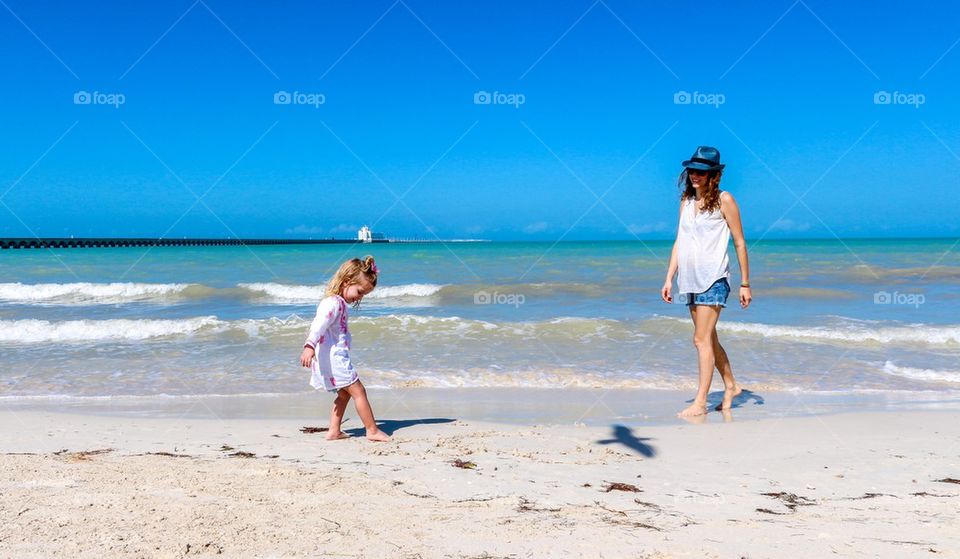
(793, 114)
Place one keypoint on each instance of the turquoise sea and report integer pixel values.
(828, 316)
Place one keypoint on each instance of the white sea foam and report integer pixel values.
(399, 326)
(888, 334)
(407, 290)
(854, 332)
(84, 293)
(912, 373)
(40, 331)
(281, 293)
(81, 293)
(286, 293)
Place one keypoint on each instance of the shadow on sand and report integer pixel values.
(624, 435)
(715, 398)
(390, 426)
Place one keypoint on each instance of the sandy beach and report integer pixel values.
(540, 242)
(867, 484)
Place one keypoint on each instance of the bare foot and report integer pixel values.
(337, 435)
(377, 436)
(694, 419)
(728, 395)
(694, 409)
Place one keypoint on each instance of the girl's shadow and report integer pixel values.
(390, 426)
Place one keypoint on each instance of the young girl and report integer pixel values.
(708, 217)
(327, 348)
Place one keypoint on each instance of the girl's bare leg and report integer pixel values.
(704, 325)
(359, 395)
(336, 416)
(730, 388)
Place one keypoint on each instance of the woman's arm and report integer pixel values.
(671, 269)
(731, 213)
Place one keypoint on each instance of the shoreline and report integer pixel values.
(862, 484)
(518, 406)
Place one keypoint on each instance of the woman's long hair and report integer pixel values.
(711, 197)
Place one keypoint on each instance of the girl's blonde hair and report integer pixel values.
(350, 273)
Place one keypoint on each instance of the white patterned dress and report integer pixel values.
(329, 338)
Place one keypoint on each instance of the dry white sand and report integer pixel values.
(853, 485)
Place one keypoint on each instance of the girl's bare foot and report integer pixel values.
(337, 435)
(728, 395)
(377, 436)
(694, 409)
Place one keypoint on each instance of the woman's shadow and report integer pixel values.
(390, 426)
(714, 399)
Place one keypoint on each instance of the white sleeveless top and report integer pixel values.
(702, 240)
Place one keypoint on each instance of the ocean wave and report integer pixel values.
(408, 290)
(922, 334)
(401, 327)
(31, 331)
(82, 293)
(854, 332)
(403, 295)
(277, 292)
(452, 329)
(913, 373)
(449, 329)
(280, 293)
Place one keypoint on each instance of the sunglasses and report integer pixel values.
(696, 172)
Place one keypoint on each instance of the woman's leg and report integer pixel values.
(336, 416)
(704, 324)
(359, 395)
(730, 388)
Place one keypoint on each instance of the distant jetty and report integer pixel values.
(90, 242)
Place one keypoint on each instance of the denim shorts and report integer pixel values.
(716, 294)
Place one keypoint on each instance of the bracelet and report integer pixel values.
(747, 285)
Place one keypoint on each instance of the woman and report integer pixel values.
(708, 218)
